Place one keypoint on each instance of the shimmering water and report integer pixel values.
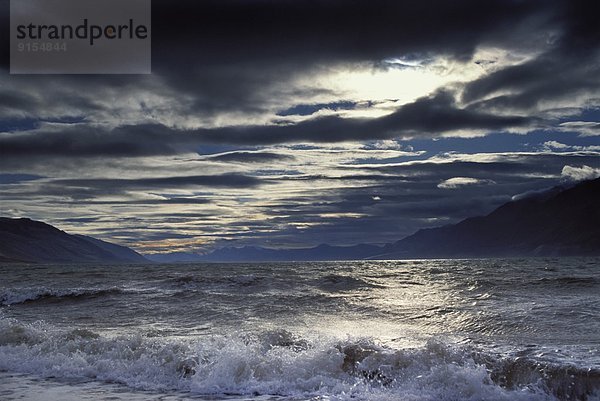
(497, 329)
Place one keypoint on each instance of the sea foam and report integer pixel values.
(279, 363)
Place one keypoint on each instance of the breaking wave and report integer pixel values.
(279, 363)
(30, 295)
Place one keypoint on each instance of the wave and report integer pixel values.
(253, 282)
(195, 282)
(279, 363)
(569, 281)
(31, 295)
(335, 282)
(564, 382)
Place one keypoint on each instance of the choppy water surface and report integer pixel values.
(511, 329)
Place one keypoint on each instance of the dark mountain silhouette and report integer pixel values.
(25, 240)
(559, 222)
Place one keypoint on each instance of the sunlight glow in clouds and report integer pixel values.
(389, 85)
(309, 128)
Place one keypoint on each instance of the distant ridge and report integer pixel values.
(556, 222)
(559, 222)
(322, 252)
(26, 240)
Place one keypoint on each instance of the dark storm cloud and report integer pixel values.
(242, 56)
(241, 46)
(17, 100)
(143, 202)
(570, 66)
(230, 30)
(537, 81)
(218, 181)
(86, 190)
(425, 117)
(225, 52)
(82, 141)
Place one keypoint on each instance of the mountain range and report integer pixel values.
(26, 240)
(557, 222)
(259, 254)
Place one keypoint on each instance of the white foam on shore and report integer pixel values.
(270, 363)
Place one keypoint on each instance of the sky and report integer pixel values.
(288, 124)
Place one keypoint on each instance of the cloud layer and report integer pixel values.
(286, 123)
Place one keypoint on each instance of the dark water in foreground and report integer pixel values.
(513, 329)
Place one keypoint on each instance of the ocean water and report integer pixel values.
(496, 329)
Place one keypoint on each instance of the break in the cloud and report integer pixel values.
(287, 123)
